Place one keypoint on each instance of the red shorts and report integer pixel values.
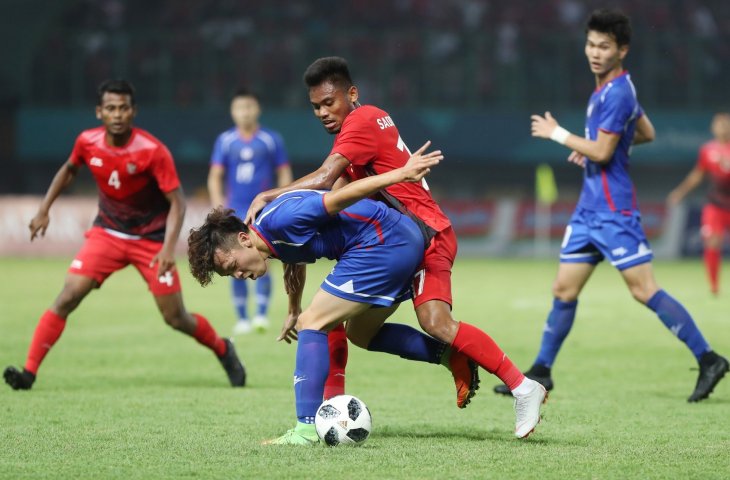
(104, 253)
(433, 278)
(715, 220)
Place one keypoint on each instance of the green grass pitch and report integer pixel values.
(123, 396)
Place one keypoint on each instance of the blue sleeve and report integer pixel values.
(281, 158)
(616, 110)
(296, 217)
(218, 157)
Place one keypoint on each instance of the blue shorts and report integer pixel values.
(592, 236)
(380, 271)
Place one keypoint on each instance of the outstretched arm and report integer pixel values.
(63, 178)
(321, 179)
(598, 151)
(417, 167)
(691, 181)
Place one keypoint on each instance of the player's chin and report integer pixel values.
(333, 129)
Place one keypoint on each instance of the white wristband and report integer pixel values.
(559, 135)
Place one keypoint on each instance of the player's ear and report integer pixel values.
(623, 50)
(98, 112)
(244, 239)
(353, 94)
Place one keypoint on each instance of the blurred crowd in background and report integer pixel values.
(404, 53)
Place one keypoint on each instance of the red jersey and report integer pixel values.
(370, 141)
(132, 181)
(714, 159)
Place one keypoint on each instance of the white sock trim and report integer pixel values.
(524, 387)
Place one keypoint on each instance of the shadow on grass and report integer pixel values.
(423, 433)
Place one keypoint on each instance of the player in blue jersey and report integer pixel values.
(378, 250)
(606, 222)
(245, 161)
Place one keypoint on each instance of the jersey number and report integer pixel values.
(114, 180)
(244, 172)
(404, 148)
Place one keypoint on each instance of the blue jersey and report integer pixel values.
(377, 249)
(250, 164)
(612, 108)
(298, 229)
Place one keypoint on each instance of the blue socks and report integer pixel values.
(239, 289)
(263, 294)
(407, 342)
(557, 327)
(676, 318)
(310, 373)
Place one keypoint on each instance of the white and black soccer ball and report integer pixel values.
(343, 420)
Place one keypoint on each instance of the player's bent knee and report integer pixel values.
(641, 294)
(307, 321)
(441, 327)
(564, 293)
(175, 322)
(67, 301)
(359, 341)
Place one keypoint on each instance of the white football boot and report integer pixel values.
(529, 396)
(242, 327)
(260, 323)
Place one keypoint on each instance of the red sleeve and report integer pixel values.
(77, 156)
(163, 169)
(356, 141)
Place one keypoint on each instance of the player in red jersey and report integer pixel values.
(367, 142)
(141, 210)
(714, 162)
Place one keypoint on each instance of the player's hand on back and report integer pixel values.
(419, 164)
(256, 206)
(38, 225)
(543, 127)
(577, 158)
(165, 261)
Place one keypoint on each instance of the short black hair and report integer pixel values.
(613, 22)
(328, 69)
(244, 92)
(119, 86)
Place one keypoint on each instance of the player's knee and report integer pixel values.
(564, 293)
(177, 319)
(642, 293)
(439, 325)
(307, 321)
(359, 341)
(714, 242)
(67, 302)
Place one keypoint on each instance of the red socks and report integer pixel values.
(205, 334)
(713, 257)
(337, 342)
(480, 347)
(50, 326)
(49, 329)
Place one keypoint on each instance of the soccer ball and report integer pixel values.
(344, 420)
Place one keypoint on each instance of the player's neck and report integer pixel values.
(261, 246)
(248, 131)
(603, 79)
(118, 140)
